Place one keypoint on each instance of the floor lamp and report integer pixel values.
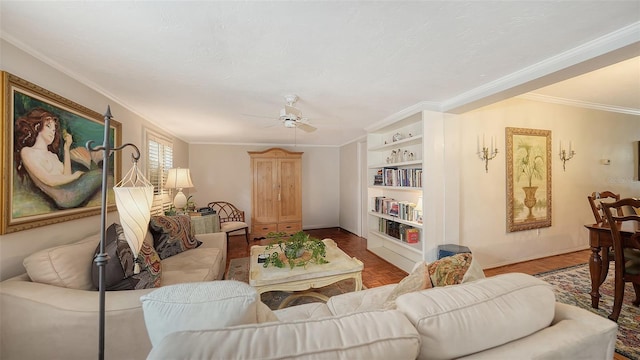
(102, 258)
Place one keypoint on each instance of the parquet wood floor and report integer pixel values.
(378, 272)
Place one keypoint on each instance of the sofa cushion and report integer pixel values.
(198, 265)
(67, 266)
(197, 306)
(303, 312)
(172, 235)
(365, 335)
(418, 280)
(119, 270)
(485, 313)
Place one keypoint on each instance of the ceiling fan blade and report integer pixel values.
(293, 111)
(305, 127)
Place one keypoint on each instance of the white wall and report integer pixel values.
(15, 246)
(350, 188)
(482, 196)
(223, 172)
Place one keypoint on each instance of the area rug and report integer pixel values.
(572, 286)
(239, 270)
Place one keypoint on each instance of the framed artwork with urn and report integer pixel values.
(528, 178)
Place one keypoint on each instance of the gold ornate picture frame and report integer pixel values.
(528, 179)
(48, 175)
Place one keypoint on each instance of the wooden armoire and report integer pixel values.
(276, 192)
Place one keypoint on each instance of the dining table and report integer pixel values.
(601, 240)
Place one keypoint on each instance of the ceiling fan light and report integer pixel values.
(289, 123)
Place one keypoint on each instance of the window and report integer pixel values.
(159, 161)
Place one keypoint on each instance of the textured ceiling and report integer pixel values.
(217, 71)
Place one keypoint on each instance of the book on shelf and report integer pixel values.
(412, 236)
(393, 208)
(377, 178)
(404, 210)
(392, 176)
(403, 232)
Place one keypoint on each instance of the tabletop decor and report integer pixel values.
(298, 249)
(528, 179)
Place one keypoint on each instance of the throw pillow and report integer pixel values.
(119, 270)
(67, 266)
(199, 306)
(416, 281)
(449, 270)
(150, 275)
(172, 235)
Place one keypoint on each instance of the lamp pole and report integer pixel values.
(103, 258)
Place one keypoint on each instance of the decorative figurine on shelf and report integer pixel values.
(394, 156)
(397, 137)
(405, 155)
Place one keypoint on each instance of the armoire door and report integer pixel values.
(290, 171)
(265, 190)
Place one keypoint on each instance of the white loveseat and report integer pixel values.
(510, 316)
(59, 319)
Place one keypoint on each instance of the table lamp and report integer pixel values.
(178, 178)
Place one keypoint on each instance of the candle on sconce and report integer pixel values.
(491, 148)
(569, 146)
(560, 146)
(483, 146)
(478, 144)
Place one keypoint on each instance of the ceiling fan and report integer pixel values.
(291, 116)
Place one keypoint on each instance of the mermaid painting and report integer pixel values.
(37, 143)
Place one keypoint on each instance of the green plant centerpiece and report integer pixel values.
(298, 249)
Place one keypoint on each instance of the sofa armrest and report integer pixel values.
(574, 334)
(215, 240)
(64, 322)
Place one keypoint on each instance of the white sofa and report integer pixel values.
(44, 321)
(510, 316)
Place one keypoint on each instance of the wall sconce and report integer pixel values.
(566, 156)
(486, 153)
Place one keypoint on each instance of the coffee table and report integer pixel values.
(340, 267)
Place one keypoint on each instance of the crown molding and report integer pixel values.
(562, 66)
(402, 114)
(578, 103)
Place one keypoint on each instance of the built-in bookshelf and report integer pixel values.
(395, 183)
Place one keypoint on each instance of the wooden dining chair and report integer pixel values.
(596, 200)
(231, 218)
(626, 250)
